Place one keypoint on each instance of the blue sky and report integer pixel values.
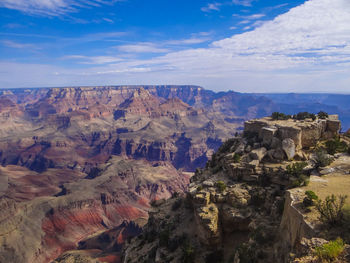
(242, 45)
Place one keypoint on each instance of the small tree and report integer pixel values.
(322, 115)
(280, 116)
(310, 198)
(304, 115)
(336, 145)
(331, 209)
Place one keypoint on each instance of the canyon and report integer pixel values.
(83, 168)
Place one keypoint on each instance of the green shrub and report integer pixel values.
(331, 250)
(310, 198)
(331, 209)
(304, 115)
(322, 159)
(236, 158)
(303, 180)
(296, 169)
(221, 186)
(322, 115)
(336, 145)
(280, 116)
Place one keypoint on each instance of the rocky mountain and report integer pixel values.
(248, 204)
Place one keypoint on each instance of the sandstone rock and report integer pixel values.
(327, 171)
(202, 198)
(268, 133)
(258, 154)
(208, 229)
(238, 197)
(288, 147)
(208, 183)
(254, 163)
(276, 143)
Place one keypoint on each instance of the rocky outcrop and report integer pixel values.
(240, 208)
(305, 134)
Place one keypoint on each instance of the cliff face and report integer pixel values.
(241, 207)
(79, 127)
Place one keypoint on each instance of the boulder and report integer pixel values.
(258, 154)
(279, 154)
(288, 147)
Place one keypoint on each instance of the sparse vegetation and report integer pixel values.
(236, 158)
(336, 145)
(331, 250)
(280, 116)
(322, 115)
(331, 209)
(296, 170)
(304, 115)
(310, 198)
(221, 186)
(322, 159)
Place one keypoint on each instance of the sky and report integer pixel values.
(241, 45)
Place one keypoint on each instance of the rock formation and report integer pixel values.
(244, 207)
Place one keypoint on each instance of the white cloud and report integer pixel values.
(305, 49)
(51, 7)
(93, 60)
(17, 45)
(144, 47)
(211, 7)
(243, 2)
(188, 41)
